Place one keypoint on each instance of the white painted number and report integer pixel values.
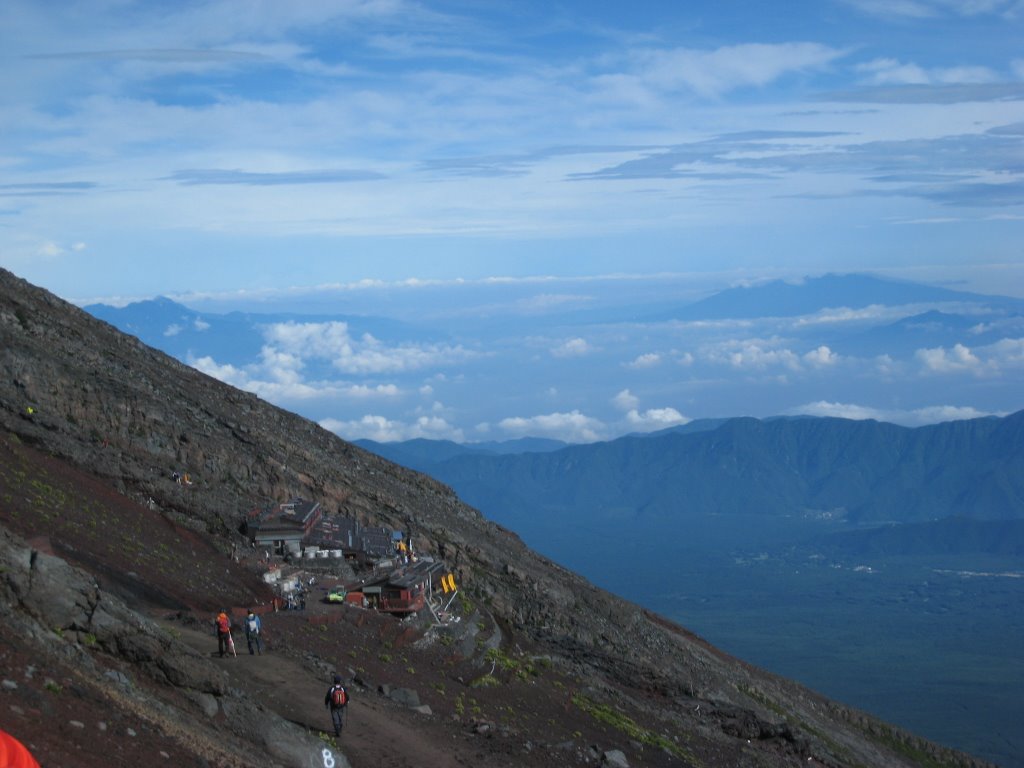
(328, 758)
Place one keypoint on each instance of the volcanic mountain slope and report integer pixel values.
(100, 547)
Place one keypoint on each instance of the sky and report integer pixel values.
(244, 152)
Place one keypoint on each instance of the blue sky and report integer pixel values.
(251, 150)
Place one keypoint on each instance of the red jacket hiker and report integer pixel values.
(223, 632)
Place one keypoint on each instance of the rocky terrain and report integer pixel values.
(110, 572)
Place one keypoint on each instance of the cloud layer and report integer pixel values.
(383, 139)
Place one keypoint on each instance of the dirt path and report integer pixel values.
(378, 733)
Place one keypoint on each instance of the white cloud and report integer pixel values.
(546, 302)
(285, 391)
(200, 325)
(49, 250)
(940, 360)
(711, 73)
(756, 354)
(909, 418)
(172, 330)
(647, 360)
(911, 8)
(229, 374)
(572, 427)
(572, 348)
(626, 400)
(885, 365)
(278, 379)
(1008, 353)
(923, 9)
(938, 413)
(655, 418)
(279, 366)
(884, 71)
(384, 430)
(876, 313)
(821, 357)
(649, 420)
(366, 355)
(870, 313)
(988, 360)
(895, 72)
(838, 410)
(364, 391)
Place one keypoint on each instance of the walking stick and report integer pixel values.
(231, 644)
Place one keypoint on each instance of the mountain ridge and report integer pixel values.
(875, 471)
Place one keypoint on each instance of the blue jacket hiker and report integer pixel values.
(253, 628)
(337, 701)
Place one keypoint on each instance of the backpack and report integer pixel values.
(223, 624)
(253, 626)
(339, 696)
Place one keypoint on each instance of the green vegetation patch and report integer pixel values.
(627, 725)
(522, 670)
(485, 681)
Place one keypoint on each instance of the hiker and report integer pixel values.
(337, 701)
(223, 624)
(253, 627)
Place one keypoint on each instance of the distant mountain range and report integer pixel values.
(781, 298)
(234, 337)
(237, 337)
(863, 473)
(933, 329)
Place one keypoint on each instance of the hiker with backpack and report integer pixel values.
(223, 627)
(253, 628)
(337, 701)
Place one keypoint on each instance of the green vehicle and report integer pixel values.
(337, 595)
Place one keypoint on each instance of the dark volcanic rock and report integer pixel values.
(51, 603)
